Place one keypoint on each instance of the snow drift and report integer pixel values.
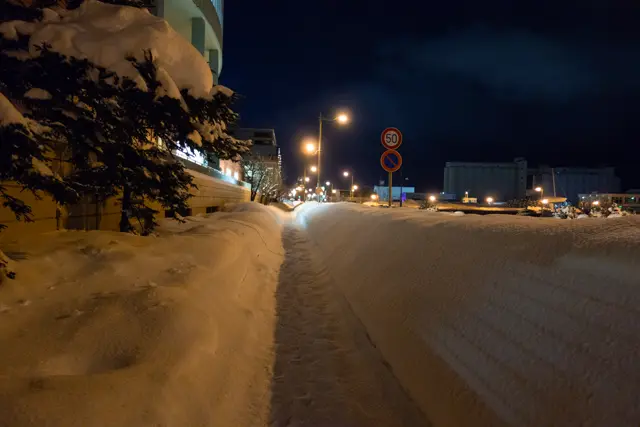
(111, 329)
(495, 320)
(106, 34)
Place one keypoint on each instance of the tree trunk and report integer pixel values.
(125, 225)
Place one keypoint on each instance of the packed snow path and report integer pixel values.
(327, 372)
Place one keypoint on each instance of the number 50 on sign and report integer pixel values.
(391, 138)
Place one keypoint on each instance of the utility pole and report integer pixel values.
(320, 119)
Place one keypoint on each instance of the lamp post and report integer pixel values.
(346, 175)
(340, 118)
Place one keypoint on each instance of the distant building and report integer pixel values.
(264, 146)
(571, 182)
(507, 181)
(501, 181)
(383, 191)
(626, 201)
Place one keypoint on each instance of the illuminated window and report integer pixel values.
(228, 172)
(192, 156)
(236, 175)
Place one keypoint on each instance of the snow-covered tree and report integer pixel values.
(255, 172)
(119, 130)
(263, 178)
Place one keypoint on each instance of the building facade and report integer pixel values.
(629, 201)
(571, 182)
(501, 181)
(265, 146)
(514, 180)
(199, 21)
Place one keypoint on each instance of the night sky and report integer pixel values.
(557, 82)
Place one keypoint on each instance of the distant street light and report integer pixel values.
(314, 169)
(355, 188)
(545, 201)
(328, 183)
(307, 179)
(489, 200)
(347, 174)
(334, 191)
(374, 197)
(341, 118)
(432, 198)
(541, 191)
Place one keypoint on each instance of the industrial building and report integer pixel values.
(514, 180)
(501, 181)
(571, 182)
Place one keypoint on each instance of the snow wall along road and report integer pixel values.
(495, 320)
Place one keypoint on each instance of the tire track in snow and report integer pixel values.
(327, 372)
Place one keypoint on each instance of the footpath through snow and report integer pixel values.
(332, 315)
(227, 321)
(494, 320)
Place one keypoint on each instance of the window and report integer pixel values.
(194, 157)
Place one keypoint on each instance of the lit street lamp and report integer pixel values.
(340, 118)
(307, 179)
(310, 148)
(541, 191)
(432, 198)
(346, 175)
(489, 200)
(314, 169)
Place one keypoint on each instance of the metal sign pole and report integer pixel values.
(390, 189)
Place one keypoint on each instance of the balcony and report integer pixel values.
(213, 13)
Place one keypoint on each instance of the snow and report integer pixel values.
(8, 113)
(37, 93)
(123, 330)
(40, 167)
(106, 34)
(332, 314)
(494, 320)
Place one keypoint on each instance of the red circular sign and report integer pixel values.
(391, 160)
(391, 138)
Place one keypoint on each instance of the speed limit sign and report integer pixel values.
(391, 138)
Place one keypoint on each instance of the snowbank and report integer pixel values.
(108, 329)
(495, 320)
(106, 34)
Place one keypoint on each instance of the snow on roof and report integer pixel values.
(106, 34)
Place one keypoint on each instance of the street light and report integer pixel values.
(341, 118)
(489, 200)
(541, 191)
(307, 179)
(328, 183)
(545, 201)
(374, 197)
(346, 174)
(355, 188)
(314, 169)
(432, 198)
(310, 148)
